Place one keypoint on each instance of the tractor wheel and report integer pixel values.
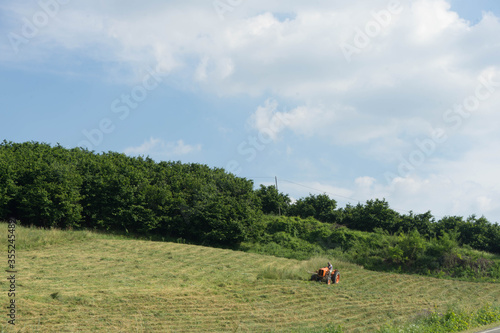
(336, 277)
(314, 277)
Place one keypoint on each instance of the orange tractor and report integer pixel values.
(322, 275)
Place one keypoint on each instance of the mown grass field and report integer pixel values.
(70, 281)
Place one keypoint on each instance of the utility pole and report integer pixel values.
(279, 206)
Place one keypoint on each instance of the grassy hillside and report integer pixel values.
(76, 281)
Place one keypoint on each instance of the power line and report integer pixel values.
(259, 177)
(315, 189)
(335, 194)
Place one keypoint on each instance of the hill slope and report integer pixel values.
(93, 283)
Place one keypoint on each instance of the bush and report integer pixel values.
(452, 320)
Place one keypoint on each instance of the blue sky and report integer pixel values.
(362, 100)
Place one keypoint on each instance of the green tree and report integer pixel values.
(374, 214)
(272, 201)
(424, 223)
(476, 232)
(42, 188)
(321, 207)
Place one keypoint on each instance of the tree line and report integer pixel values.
(376, 214)
(49, 186)
(52, 186)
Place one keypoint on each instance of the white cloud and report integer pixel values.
(158, 148)
(201, 70)
(302, 120)
(303, 189)
(143, 149)
(180, 148)
(434, 20)
(339, 125)
(253, 52)
(446, 197)
(365, 182)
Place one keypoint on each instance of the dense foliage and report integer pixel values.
(55, 187)
(475, 232)
(321, 207)
(272, 201)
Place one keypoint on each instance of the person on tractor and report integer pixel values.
(330, 268)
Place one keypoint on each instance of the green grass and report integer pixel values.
(453, 320)
(79, 281)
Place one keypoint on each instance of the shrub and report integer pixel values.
(452, 320)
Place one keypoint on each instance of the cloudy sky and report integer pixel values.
(359, 100)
